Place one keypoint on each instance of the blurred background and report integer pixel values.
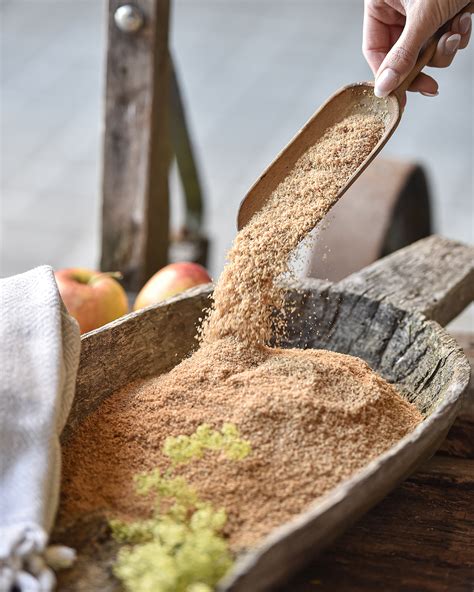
(251, 74)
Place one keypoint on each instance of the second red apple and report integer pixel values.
(169, 281)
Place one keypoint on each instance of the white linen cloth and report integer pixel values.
(39, 356)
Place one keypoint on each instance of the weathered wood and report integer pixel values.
(460, 440)
(189, 242)
(399, 345)
(419, 539)
(405, 347)
(185, 158)
(422, 277)
(386, 209)
(136, 155)
(466, 341)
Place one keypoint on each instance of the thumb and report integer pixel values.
(401, 59)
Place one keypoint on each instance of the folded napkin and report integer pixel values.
(39, 356)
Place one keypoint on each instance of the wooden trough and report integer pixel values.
(387, 314)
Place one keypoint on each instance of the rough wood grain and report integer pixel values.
(421, 277)
(399, 345)
(466, 341)
(136, 154)
(419, 539)
(189, 242)
(403, 346)
(460, 440)
(185, 158)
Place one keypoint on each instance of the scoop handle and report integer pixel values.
(428, 51)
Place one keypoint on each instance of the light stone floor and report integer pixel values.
(252, 72)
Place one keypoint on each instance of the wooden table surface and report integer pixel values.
(421, 537)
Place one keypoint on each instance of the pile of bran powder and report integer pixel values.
(313, 417)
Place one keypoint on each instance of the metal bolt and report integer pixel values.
(129, 18)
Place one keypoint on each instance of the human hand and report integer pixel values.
(396, 30)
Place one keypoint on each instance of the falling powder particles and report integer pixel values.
(313, 417)
(248, 290)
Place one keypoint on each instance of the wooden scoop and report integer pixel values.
(354, 98)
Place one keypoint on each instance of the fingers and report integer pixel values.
(392, 44)
(375, 56)
(402, 57)
(462, 24)
(398, 63)
(446, 50)
(419, 27)
(456, 38)
(376, 41)
(425, 84)
(382, 27)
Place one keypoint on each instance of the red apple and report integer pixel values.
(91, 297)
(169, 281)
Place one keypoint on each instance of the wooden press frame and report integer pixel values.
(145, 125)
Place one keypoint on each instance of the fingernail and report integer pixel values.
(427, 94)
(451, 44)
(386, 82)
(465, 23)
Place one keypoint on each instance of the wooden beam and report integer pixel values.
(135, 206)
(408, 279)
(185, 158)
(188, 242)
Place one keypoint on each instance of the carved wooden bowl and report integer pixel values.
(382, 314)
